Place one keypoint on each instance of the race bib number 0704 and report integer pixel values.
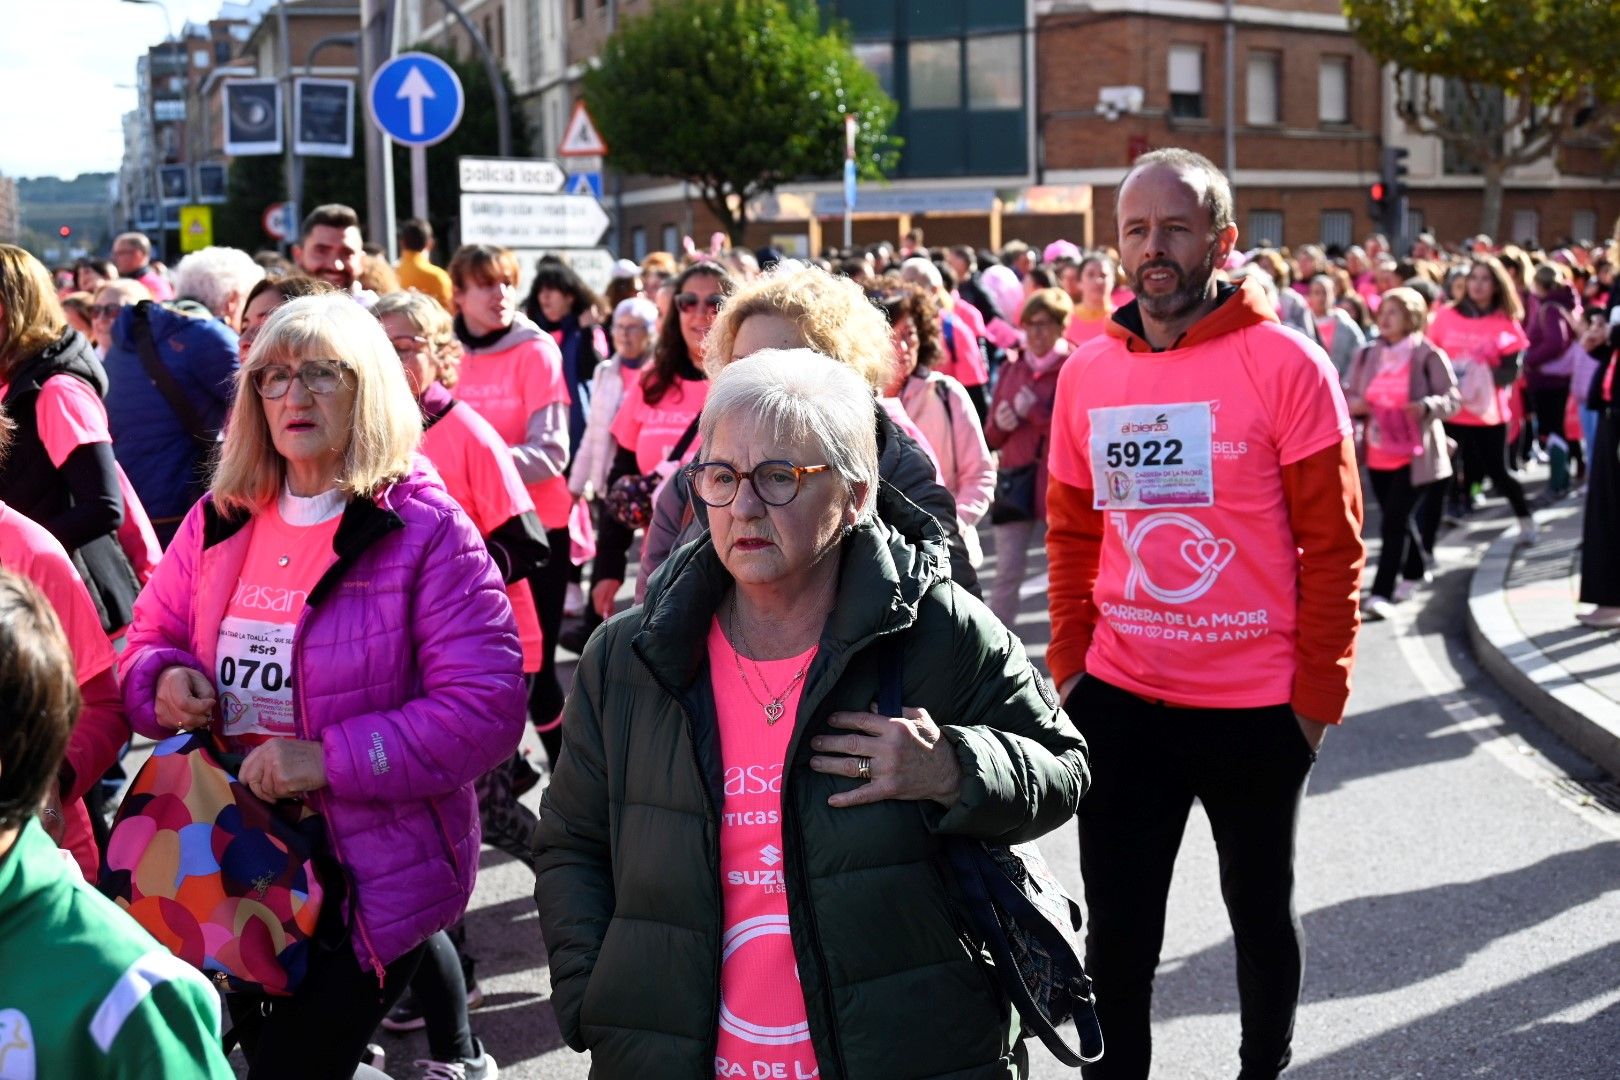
(1146, 457)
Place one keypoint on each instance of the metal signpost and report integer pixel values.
(417, 100)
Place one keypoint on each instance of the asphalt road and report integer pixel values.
(1459, 886)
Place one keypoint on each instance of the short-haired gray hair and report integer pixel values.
(211, 275)
(1217, 188)
(921, 271)
(800, 395)
(135, 240)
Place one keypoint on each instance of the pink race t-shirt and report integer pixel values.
(1389, 430)
(29, 551)
(477, 471)
(764, 1029)
(1198, 583)
(1476, 348)
(959, 355)
(291, 547)
(652, 431)
(70, 415)
(1082, 330)
(508, 387)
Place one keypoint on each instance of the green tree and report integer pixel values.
(256, 182)
(736, 97)
(476, 136)
(1531, 73)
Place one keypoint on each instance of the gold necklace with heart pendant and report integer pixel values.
(774, 707)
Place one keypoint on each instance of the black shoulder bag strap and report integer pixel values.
(1015, 904)
(163, 378)
(680, 448)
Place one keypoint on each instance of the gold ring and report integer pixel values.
(863, 768)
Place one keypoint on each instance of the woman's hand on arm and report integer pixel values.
(908, 759)
(282, 768)
(185, 698)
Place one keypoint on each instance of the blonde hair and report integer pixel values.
(433, 323)
(1053, 303)
(386, 424)
(33, 316)
(832, 314)
(1412, 303)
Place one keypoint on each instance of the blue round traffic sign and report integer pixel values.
(416, 99)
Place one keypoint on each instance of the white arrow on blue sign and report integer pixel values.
(416, 99)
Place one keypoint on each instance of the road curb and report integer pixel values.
(1582, 717)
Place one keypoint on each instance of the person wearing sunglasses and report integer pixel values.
(657, 410)
(110, 301)
(730, 814)
(337, 618)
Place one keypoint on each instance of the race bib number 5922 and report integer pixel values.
(1145, 457)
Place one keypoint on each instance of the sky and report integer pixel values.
(67, 76)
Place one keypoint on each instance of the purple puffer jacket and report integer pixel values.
(408, 672)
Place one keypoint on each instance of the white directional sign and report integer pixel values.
(531, 221)
(518, 176)
(593, 265)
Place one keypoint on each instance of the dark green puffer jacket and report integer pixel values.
(628, 870)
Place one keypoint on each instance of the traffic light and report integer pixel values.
(1393, 173)
(65, 231)
(1389, 193)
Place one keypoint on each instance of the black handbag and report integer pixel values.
(1015, 903)
(1014, 499)
(629, 498)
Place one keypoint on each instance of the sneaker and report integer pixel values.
(1377, 609)
(1528, 532)
(481, 1067)
(1601, 618)
(375, 1057)
(1405, 589)
(407, 1014)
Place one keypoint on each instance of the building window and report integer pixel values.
(1265, 228)
(1187, 81)
(935, 70)
(1583, 226)
(1337, 227)
(199, 58)
(638, 242)
(1333, 90)
(672, 239)
(1265, 69)
(1526, 227)
(995, 72)
(579, 9)
(878, 56)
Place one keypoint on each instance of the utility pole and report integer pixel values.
(376, 46)
(295, 178)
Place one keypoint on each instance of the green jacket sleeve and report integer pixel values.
(1024, 765)
(573, 886)
(173, 1032)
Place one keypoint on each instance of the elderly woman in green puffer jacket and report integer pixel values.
(738, 869)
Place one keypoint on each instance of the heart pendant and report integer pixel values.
(773, 712)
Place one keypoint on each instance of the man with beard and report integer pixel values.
(330, 247)
(1204, 520)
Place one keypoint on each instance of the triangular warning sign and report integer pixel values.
(580, 137)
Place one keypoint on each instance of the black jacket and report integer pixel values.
(80, 503)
